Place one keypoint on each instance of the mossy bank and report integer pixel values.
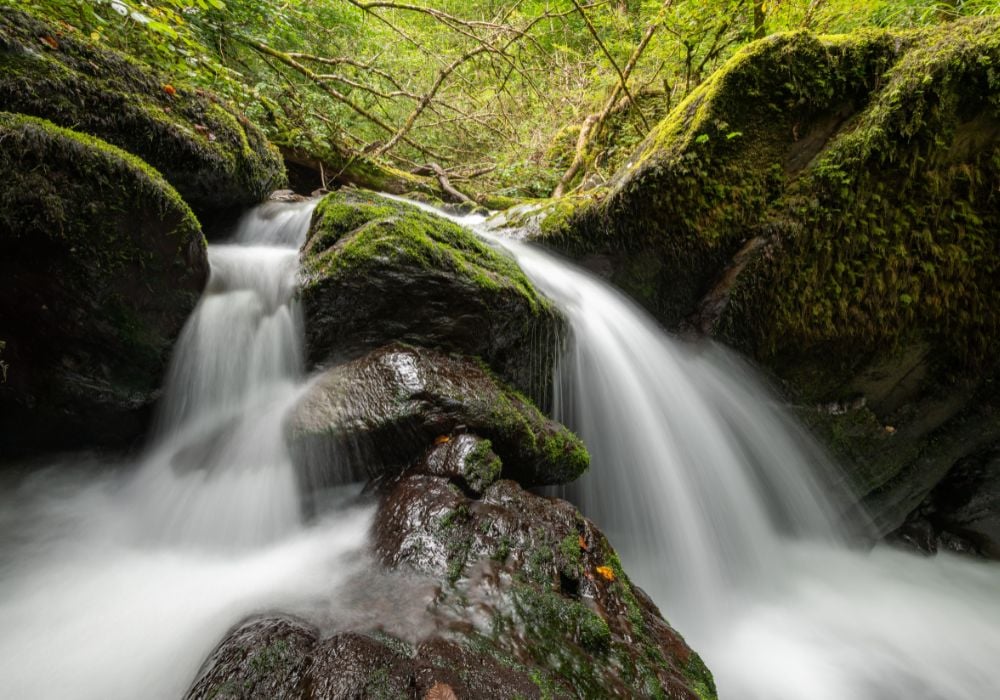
(101, 263)
(828, 204)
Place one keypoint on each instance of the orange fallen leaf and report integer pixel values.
(441, 691)
(606, 572)
(583, 543)
(170, 90)
(441, 439)
(49, 41)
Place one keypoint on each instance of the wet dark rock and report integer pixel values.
(528, 580)
(280, 657)
(376, 270)
(378, 414)
(528, 600)
(209, 152)
(962, 513)
(465, 458)
(100, 264)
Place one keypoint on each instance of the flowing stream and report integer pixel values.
(709, 494)
(116, 581)
(718, 506)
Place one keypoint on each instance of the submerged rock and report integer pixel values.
(375, 415)
(376, 270)
(829, 206)
(100, 263)
(211, 154)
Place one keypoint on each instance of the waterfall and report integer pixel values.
(719, 507)
(716, 503)
(220, 472)
(117, 580)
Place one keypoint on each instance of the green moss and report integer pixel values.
(571, 561)
(701, 678)
(549, 616)
(35, 145)
(212, 155)
(895, 223)
(483, 467)
(565, 451)
(356, 231)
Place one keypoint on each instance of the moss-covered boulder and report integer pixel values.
(829, 205)
(376, 415)
(528, 581)
(100, 263)
(283, 657)
(524, 598)
(210, 153)
(377, 270)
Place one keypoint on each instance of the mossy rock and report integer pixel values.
(101, 261)
(376, 270)
(289, 658)
(210, 153)
(828, 205)
(528, 581)
(374, 416)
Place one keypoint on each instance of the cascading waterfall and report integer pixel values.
(116, 581)
(709, 494)
(716, 502)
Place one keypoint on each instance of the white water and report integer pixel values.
(707, 491)
(116, 581)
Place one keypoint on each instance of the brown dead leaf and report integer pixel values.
(440, 691)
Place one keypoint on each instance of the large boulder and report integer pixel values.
(100, 263)
(375, 415)
(527, 599)
(377, 270)
(282, 657)
(829, 206)
(210, 153)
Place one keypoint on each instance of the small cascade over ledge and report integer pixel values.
(117, 580)
(219, 470)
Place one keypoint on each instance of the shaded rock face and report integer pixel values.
(214, 157)
(100, 263)
(828, 206)
(377, 271)
(375, 415)
(962, 513)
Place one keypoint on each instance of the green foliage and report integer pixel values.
(505, 108)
